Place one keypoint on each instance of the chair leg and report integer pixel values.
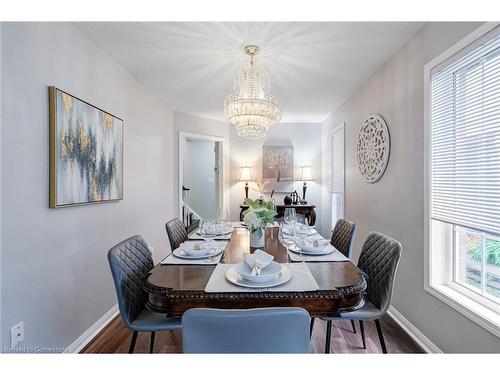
(311, 327)
(353, 326)
(381, 336)
(362, 329)
(328, 336)
(132, 343)
(152, 342)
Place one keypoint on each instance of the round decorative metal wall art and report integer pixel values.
(373, 148)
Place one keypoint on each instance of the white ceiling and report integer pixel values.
(191, 65)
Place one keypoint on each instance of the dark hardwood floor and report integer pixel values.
(115, 338)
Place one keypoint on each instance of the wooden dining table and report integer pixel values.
(173, 289)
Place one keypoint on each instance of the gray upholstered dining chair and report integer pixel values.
(262, 330)
(343, 236)
(176, 232)
(379, 260)
(342, 240)
(130, 263)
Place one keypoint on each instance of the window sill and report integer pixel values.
(473, 310)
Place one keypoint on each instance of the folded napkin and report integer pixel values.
(316, 243)
(197, 245)
(259, 257)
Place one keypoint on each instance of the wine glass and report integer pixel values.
(290, 215)
(223, 220)
(223, 216)
(301, 232)
(284, 235)
(207, 232)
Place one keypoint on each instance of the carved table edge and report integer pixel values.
(337, 293)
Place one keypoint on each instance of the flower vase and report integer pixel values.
(257, 238)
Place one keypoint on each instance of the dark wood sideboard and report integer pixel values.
(302, 209)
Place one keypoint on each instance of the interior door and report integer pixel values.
(337, 173)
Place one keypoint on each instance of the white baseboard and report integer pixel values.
(414, 333)
(92, 332)
(404, 323)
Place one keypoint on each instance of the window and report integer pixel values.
(477, 262)
(463, 153)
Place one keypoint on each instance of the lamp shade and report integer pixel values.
(246, 174)
(306, 173)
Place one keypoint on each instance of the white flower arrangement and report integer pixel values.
(259, 214)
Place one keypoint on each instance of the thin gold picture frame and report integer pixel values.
(53, 150)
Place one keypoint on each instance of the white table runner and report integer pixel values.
(172, 259)
(302, 280)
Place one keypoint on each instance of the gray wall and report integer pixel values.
(199, 176)
(1, 331)
(239, 151)
(55, 275)
(306, 140)
(395, 204)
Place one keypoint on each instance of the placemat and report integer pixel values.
(172, 259)
(302, 280)
(336, 256)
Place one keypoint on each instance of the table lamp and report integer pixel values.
(246, 176)
(305, 175)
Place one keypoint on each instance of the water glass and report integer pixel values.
(290, 215)
(286, 232)
(222, 215)
(301, 232)
(207, 232)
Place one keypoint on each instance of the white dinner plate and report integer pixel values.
(189, 247)
(179, 253)
(224, 231)
(312, 231)
(234, 277)
(315, 249)
(268, 273)
(321, 251)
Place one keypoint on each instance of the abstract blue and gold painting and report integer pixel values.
(86, 152)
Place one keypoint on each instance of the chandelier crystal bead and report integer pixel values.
(251, 109)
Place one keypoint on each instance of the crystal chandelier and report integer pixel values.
(250, 108)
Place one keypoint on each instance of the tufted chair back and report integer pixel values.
(130, 262)
(343, 236)
(176, 233)
(379, 259)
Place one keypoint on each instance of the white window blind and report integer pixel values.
(465, 137)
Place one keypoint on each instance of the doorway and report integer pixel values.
(200, 178)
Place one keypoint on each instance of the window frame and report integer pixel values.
(437, 273)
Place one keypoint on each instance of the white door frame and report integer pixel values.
(223, 166)
(340, 127)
